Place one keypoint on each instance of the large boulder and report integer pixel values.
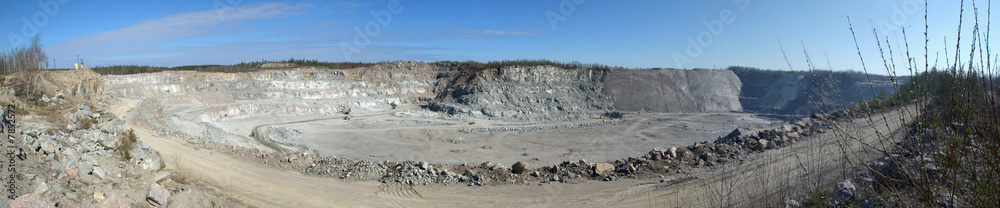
(145, 158)
(845, 192)
(603, 169)
(734, 135)
(519, 167)
(157, 195)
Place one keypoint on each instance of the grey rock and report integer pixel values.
(85, 167)
(41, 188)
(48, 147)
(519, 167)
(603, 169)
(947, 199)
(160, 176)
(99, 172)
(145, 158)
(673, 152)
(157, 195)
(792, 203)
(844, 191)
(498, 166)
(423, 165)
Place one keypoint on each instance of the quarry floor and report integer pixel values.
(432, 138)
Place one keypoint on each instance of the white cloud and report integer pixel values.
(177, 26)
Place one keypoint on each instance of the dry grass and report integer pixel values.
(179, 175)
(951, 145)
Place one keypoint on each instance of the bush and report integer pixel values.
(125, 144)
(87, 123)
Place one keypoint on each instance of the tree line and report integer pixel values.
(25, 62)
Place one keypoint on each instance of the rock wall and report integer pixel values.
(529, 93)
(550, 93)
(674, 91)
(305, 91)
(523, 93)
(801, 93)
(81, 84)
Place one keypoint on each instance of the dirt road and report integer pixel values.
(256, 185)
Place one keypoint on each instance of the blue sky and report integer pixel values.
(640, 34)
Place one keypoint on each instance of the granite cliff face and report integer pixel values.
(674, 91)
(801, 93)
(528, 93)
(549, 93)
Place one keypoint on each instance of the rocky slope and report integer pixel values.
(66, 151)
(801, 93)
(527, 93)
(549, 93)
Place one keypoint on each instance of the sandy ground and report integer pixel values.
(257, 185)
(384, 136)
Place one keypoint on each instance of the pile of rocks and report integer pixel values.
(781, 136)
(280, 134)
(732, 147)
(913, 160)
(83, 167)
(531, 128)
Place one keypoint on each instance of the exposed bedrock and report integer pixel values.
(520, 93)
(297, 92)
(801, 93)
(549, 93)
(527, 93)
(674, 91)
(516, 93)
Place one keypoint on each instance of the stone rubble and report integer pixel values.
(81, 167)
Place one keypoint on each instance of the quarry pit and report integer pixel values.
(408, 111)
(426, 134)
